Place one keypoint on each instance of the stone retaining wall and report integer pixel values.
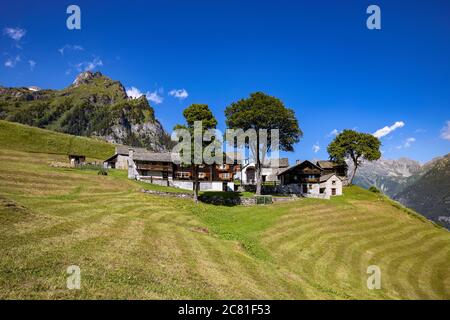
(210, 199)
(217, 200)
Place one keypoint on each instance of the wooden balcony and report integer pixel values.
(223, 167)
(154, 167)
(309, 180)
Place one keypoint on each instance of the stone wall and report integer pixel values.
(216, 200)
(289, 189)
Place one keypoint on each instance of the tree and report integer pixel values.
(193, 113)
(354, 145)
(261, 111)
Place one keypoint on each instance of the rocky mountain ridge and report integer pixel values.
(93, 105)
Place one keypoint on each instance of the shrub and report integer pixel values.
(374, 189)
(102, 172)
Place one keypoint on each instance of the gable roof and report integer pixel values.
(299, 164)
(277, 162)
(124, 150)
(152, 156)
(326, 177)
(327, 164)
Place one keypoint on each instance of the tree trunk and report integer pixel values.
(195, 186)
(353, 174)
(258, 167)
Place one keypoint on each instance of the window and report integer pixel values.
(183, 174)
(333, 182)
(225, 176)
(310, 186)
(322, 190)
(202, 175)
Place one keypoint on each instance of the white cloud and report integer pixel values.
(407, 143)
(316, 147)
(179, 94)
(388, 129)
(89, 65)
(154, 97)
(73, 47)
(15, 33)
(32, 64)
(11, 62)
(134, 93)
(334, 132)
(445, 132)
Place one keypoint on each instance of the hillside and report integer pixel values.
(429, 191)
(138, 246)
(424, 188)
(93, 105)
(18, 137)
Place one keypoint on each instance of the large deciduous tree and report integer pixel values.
(357, 146)
(261, 111)
(193, 113)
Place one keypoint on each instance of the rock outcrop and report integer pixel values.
(93, 105)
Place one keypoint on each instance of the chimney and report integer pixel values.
(298, 161)
(131, 153)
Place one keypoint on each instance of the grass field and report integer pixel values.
(15, 136)
(134, 245)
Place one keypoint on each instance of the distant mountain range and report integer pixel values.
(424, 188)
(93, 105)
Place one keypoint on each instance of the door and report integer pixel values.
(333, 192)
(305, 188)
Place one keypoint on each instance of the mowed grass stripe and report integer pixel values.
(135, 245)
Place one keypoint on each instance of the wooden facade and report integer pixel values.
(305, 172)
(169, 170)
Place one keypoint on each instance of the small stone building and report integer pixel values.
(120, 158)
(76, 160)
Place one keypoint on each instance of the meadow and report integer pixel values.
(131, 245)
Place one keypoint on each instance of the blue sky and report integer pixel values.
(318, 57)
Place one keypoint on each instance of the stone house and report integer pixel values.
(76, 160)
(313, 179)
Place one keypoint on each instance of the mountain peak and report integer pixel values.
(86, 77)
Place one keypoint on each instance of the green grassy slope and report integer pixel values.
(134, 245)
(20, 137)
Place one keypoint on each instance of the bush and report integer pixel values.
(102, 172)
(374, 189)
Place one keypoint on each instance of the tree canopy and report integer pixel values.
(357, 146)
(193, 113)
(261, 111)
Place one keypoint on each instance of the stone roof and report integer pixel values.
(152, 156)
(124, 150)
(326, 164)
(277, 163)
(326, 177)
(296, 165)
